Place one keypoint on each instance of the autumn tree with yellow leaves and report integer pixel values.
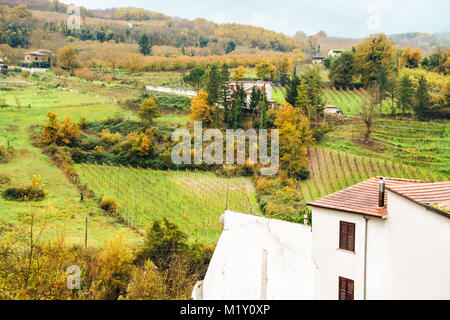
(373, 54)
(149, 111)
(410, 58)
(200, 110)
(68, 132)
(265, 70)
(239, 73)
(295, 138)
(61, 134)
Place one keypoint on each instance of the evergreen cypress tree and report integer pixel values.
(224, 95)
(264, 106)
(144, 45)
(292, 90)
(405, 92)
(422, 99)
(255, 99)
(236, 111)
(213, 81)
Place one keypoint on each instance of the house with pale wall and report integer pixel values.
(335, 52)
(379, 239)
(317, 59)
(37, 56)
(248, 85)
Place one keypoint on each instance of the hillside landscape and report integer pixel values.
(86, 173)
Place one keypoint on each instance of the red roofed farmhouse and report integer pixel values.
(383, 238)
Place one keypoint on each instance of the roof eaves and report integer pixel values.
(425, 205)
(349, 211)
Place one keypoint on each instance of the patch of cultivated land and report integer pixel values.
(425, 145)
(335, 170)
(349, 101)
(61, 213)
(194, 200)
(46, 95)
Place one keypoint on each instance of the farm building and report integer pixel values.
(317, 59)
(335, 52)
(382, 238)
(38, 56)
(265, 86)
(332, 109)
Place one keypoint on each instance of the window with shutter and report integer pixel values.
(346, 289)
(347, 236)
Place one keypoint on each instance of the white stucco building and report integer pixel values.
(332, 109)
(248, 85)
(335, 52)
(363, 244)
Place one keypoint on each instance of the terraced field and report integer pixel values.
(350, 100)
(193, 200)
(420, 144)
(335, 170)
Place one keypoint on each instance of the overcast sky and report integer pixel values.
(344, 18)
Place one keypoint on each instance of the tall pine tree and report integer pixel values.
(224, 95)
(291, 92)
(422, 99)
(213, 85)
(144, 45)
(264, 105)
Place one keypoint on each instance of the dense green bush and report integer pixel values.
(296, 219)
(165, 241)
(24, 194)
(36, 64)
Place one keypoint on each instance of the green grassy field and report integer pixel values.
(193, 200)
(349, 101)
(335, 170)
(418, 143)
(45, 96)
(61, 213)
(278, 96)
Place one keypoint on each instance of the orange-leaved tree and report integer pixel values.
(68, 132)
(295, 138)
(200, 110)
(53, 132)
(51, 129)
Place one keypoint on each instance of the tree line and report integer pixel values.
(375, 63)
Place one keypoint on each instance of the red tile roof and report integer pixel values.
(363, 197)
(436, 194)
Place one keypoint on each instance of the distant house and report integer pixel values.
(40, 57)
(335, 52)
(3, 66)
(332, 109)
(264, 86)
(317, 59)
(383, 238)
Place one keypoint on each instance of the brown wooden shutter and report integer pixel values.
(346, 289)
(347, 236)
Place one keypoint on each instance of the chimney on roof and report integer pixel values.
(381, 202)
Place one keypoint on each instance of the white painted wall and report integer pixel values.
(331, 262)
(236, 269)
(183, 92)
(409, 253)
(248, 86)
